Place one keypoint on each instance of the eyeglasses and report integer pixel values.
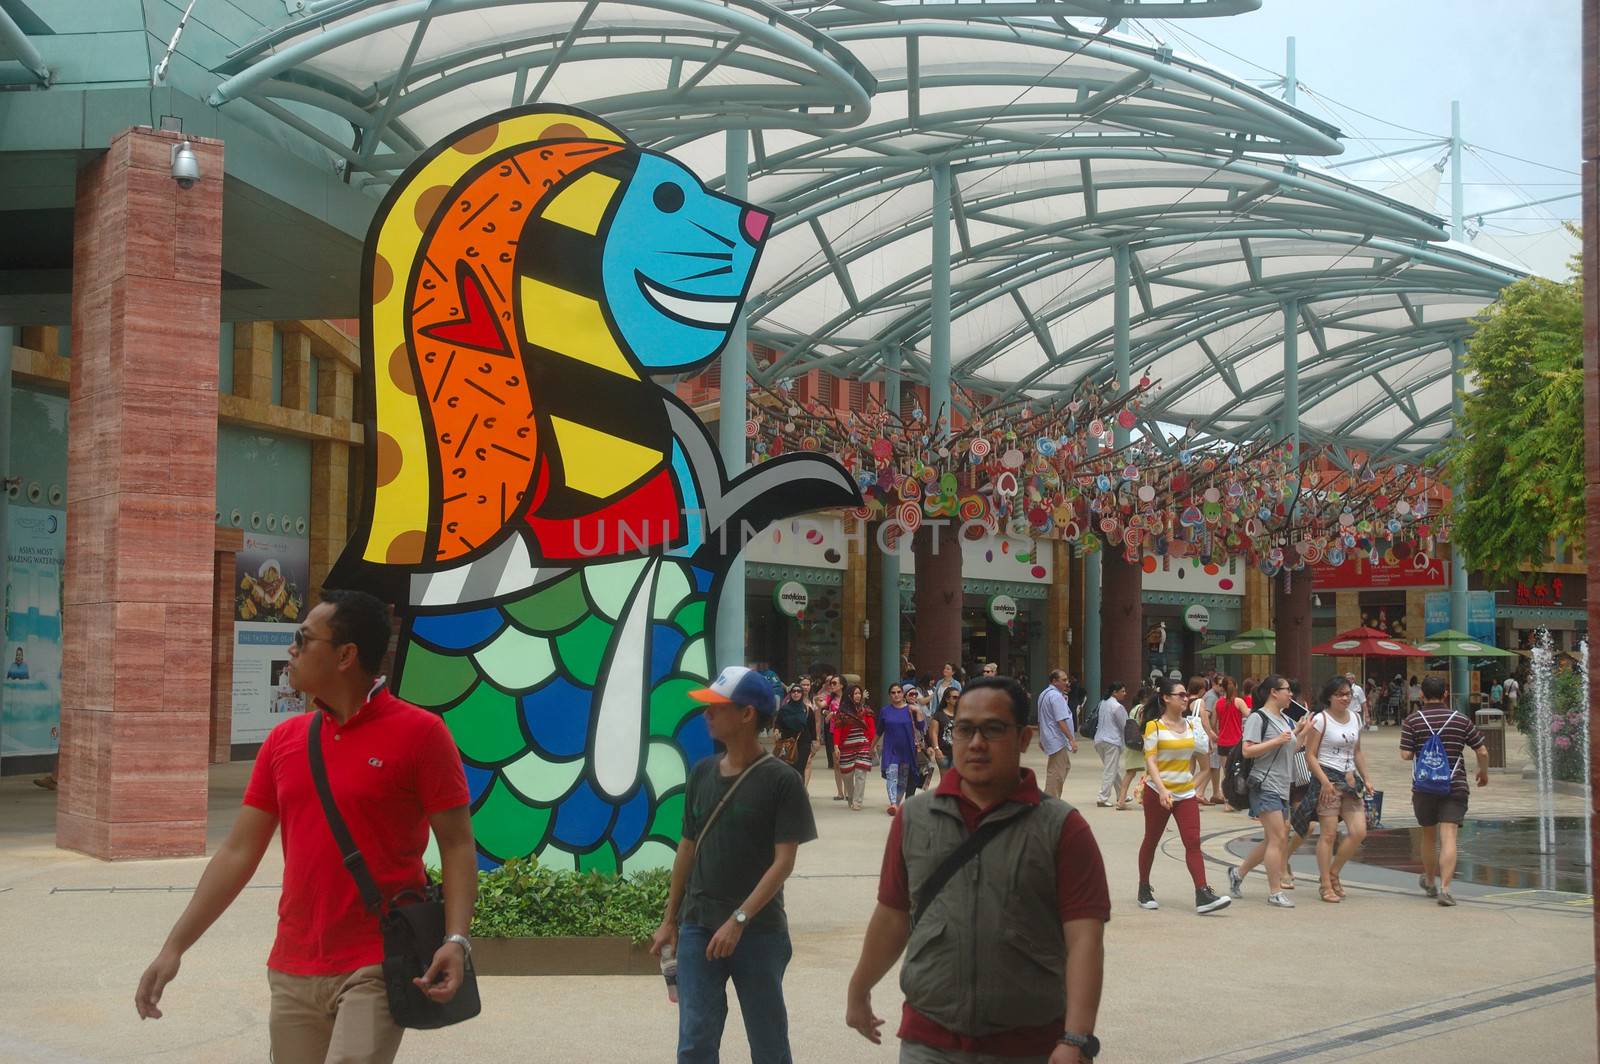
(963, 731)
(301, 639)
(1281, 688)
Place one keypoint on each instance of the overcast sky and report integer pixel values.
(1513, 66)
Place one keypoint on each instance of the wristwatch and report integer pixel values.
(1088, 1045)
(463, 941)
(740, 917)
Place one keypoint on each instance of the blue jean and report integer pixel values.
(1264, 801)
(756, 967)
(897, 778)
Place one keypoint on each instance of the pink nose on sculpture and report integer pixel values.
(755, 224)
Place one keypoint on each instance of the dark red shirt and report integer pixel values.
(1081, 894)
(390, 766)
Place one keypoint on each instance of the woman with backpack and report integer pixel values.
(1169, 755)
(1269, 743)
(1339, 775)
(1229, 713)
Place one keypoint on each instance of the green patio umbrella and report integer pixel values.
(1255, 641)
(1453, 644)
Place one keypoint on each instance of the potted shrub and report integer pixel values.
(538, 921)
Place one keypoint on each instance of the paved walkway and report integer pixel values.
(1385, 976)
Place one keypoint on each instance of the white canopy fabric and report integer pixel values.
(1064, 142)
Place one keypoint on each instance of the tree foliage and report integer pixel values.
(1519, 453)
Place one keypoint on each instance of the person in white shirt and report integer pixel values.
(1055, 733)
(1358, 701)
(1339, 768)
(1108, 743)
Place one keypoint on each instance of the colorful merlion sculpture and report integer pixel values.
(551, 522)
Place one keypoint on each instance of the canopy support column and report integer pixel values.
(889, 560)
(730, 635)
(1459, 619)
(1121, 581)
(936, 544)
(1291, 591)
(939, 404)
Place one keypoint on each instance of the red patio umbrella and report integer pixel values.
(1368, 642)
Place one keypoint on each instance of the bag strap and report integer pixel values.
(366, 886)
(970, 847)
(721, 805)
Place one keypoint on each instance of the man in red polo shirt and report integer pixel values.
(394, 772)
(1006, 958)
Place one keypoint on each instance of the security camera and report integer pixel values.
(185, 166)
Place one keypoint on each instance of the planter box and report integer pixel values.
(563, 956)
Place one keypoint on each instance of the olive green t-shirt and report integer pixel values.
(770, 807)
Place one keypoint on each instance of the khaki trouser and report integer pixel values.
(332, 1019)
(1110, 770)
(1056, 768)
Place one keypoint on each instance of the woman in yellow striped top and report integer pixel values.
(1169, 761)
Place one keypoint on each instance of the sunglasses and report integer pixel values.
(301, 639)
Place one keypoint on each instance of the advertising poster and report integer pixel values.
(1480, 614)
(30, 705)
(269, 602)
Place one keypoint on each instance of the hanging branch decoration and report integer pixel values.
(1048, 468)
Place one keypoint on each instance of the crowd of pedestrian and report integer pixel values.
(992, 893)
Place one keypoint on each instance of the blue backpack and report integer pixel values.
(1433, 772)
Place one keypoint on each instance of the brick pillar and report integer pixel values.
(1073, 563)
(1057, 608)
(142, 461)
(1257, 613)
(335, 388)
(872, 607)
(330, 489)
(1291, 604)
(853, 605)
(229, 542)
(297, 370)
(1121, 621)
(252, 360)
(938, 597)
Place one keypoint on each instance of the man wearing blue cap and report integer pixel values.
(745, 815)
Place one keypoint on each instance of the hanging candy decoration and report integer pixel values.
(910, 516)
(1147, 493)
(1126, 419)
(751, 429)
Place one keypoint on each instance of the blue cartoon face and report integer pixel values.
(678, 265)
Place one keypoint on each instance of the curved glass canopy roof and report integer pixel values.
(397, 75)
(1081, 163)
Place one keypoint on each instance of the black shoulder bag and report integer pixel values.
(970, 847)
(412, 923)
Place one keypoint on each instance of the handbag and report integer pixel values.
(1202, 741)
(412, 923)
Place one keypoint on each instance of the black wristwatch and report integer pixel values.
(1087, 1044)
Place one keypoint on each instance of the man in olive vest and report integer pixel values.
(1000, 892)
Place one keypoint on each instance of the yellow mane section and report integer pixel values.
(402, 503)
